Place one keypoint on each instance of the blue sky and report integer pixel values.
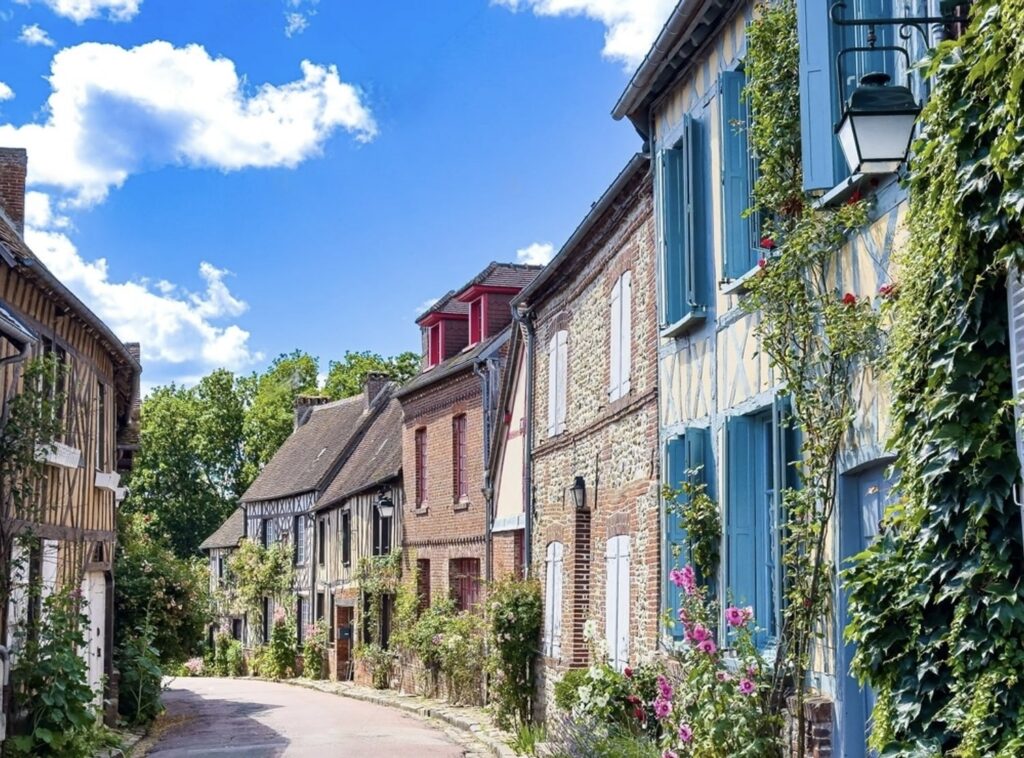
(212, 195)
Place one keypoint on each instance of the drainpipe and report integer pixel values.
(482, 369)
(525, 319)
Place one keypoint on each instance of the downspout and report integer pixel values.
(525, 319)
(481, 369)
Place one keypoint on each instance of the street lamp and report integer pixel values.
(877, 125)
(385, 505)
(579, 494)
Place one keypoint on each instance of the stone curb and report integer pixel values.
(488, 736)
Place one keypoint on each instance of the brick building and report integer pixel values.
(449, 415)
(592, 332)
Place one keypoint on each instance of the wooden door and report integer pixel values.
(343, 641)
(94, 591)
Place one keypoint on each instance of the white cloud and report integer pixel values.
(426, 305)
(536, 253)
(39, 212)
(82, 10)
(113, 112)
(35, 35)
(175, 326)
(6, 93)
(297, 15)
(630, 25)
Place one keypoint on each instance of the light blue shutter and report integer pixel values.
(790, 442)
(675, 535)
(818, 111)
(741, 512)
(699, 459)
(699, 215)
(735, 174)
(673, 209)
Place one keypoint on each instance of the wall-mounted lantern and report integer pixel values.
(385, 505)
(579, 493)
(877, 125)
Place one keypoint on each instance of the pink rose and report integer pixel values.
(747, 687)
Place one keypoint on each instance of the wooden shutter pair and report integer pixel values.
(620, 353)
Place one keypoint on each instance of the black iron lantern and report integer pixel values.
(877, 125)
(385, 505)
(579, 494)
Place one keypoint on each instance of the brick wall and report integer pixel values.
(818, 722)
(612, 445)
(13, 165)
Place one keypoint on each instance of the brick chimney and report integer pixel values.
(372, 385)
(13, 166)
(304, 405)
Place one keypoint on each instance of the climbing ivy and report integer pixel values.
(816, 337)
(937, 609)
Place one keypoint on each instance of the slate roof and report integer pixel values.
(228, 534)
(311, 452)
(377, 458)
(460, 362)
(496, 274)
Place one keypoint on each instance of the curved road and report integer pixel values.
(244, 717)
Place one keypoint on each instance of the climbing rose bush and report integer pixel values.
(718, 705)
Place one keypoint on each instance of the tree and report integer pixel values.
(270, 416)
(345, 378)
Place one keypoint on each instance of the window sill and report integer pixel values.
(461, 505)
(60, 455)
(422, 510)
(107, 480)
(687, 323)
(738, 286)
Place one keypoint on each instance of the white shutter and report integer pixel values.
(562, 351)
(611, 602)
(553, 386)
(17, 604)
(49, 568)
(549, 594)
(1015, 301)
(625, 333)
(622, 615)
(556, 600)
(615, 342)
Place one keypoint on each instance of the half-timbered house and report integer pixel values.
(449, 410)
(358, 517)
(279, 503)
(218, 548)
(66, 536)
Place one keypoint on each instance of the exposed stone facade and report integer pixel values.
(612, 444)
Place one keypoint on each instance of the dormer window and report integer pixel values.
(434, 350)
(477, 325)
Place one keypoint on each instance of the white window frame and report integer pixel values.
(553, 587)
(300, 540)
(558, 354)
(620, 342)
(617, 585)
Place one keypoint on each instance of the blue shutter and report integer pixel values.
(673, 235)
(735, 174)
(858, 64)
(675, 536)
(699, 459)
(699, 205)
(818, 111)
(790, 441)
(741, 512)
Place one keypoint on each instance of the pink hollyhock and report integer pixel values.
(747, 687)
(699, 633)
(707, 646)
(661, 709)
(735, 616)
(748, 613)
(723, 676)
(685, 733)
(849, 299)
(689, 580)
(669, 754)
(751, 671)
(676, 577)
(665, 688)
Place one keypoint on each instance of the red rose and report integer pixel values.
(628, 672)
(854, 197)
(767, 243)
(761, 263)
(849, 299)
(887, 290)
(639, 713)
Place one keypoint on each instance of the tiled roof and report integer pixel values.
(496, 274)
(377, 457)
(311, 451)
(228, 534)
(460, 362)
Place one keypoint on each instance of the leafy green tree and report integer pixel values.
(270, 415)
(345, 378)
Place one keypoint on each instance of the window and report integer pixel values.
(759, 451)
(616, 611)
(820, 41)
(381, 533)
(477, 325)
(553, 568)
(236, 629)
(620, 354)
(684, 171)
(320, 603)
(421, 468)
(1015, 299)
(460, 481)
(55, 385)
(264, 533)
(687, 458)
(299, 548)
(434, 347)
(346, 538)
(423, 582)
(742, 247)
(266, 619)
(321, 541)
(557, 376)
(101, 427)
(300, 618)
(220, 567)
(464, 582)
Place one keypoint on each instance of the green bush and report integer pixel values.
(281, 654)
(426, 634)
(567, 689)
(516, 615)
(314, 651)
(234, 657)
(220, 654)
(527, 737)
(462, 657)
(138, 660)
(50, 679)
(378, 661)
(259, 661)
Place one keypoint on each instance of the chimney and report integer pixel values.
(13, 166)
(373, 384)
(304, 405)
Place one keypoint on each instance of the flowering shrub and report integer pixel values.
(719, 707)
(604, 699)
(282, 646)
(314, 650)
(462, 657)
(516, 615)
(194, 667)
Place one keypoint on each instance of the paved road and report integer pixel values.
(238, 717)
